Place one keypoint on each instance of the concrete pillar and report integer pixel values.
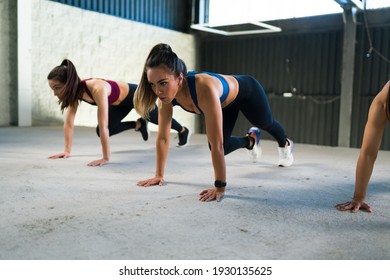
(24, 63)
(347, 76)
(8, 58)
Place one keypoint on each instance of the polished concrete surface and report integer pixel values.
(63, 209)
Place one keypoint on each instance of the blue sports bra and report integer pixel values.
(191, 85)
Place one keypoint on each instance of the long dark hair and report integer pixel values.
(66, 74)
(161, 54)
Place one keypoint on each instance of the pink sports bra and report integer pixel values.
(115, 91)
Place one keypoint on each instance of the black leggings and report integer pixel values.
(252, 102)
(116, 113)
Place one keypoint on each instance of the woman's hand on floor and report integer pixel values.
(354, 206)
(99, 162)
(212, 194)
(61, 155)
(151, 182)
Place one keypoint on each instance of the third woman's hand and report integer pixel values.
(354, 206)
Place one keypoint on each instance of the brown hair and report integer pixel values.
(161, 54)
(66, 74)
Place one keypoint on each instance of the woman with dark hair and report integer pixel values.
(219, 98)
(114, 101)
(378, 116)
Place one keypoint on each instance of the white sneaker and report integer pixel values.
(256, 151)
(285, 154)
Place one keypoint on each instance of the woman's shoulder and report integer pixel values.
(96, 82)
(381, 98)
(93, 80)
(386, 89)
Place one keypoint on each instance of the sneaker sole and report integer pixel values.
(292, 157)
(288, 164)
(258, 153)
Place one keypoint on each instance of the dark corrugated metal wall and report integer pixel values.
(371, 74)
(308, 63)
(311, 63)
(171, 14)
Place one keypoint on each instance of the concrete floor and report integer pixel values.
(63, 209)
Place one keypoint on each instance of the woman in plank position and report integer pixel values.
(114, 101)
(219, 98)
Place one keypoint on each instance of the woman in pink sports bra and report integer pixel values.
(114, 101)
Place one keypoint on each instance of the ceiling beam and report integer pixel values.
(347, 4)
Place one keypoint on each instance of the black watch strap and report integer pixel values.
(219, 184)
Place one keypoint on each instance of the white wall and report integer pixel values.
(100, 46)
